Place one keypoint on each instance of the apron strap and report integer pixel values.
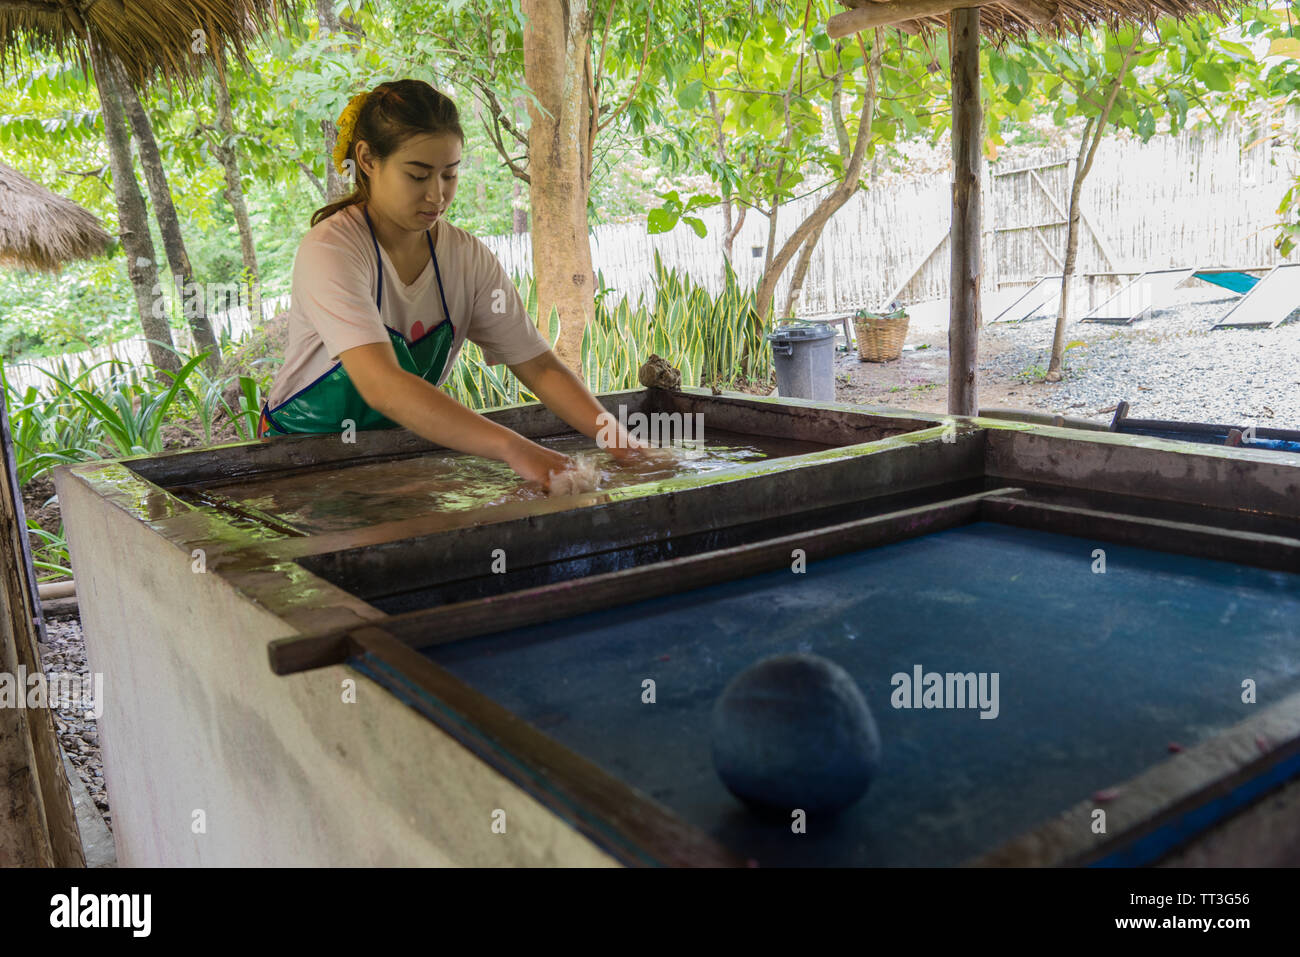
(267, 421)
(379, 298)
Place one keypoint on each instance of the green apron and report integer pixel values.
(324, 404)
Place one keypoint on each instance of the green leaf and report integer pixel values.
(700, 201)
(998, 67)
(1177, 105)
(1238, 51)
(1146, 125)
(691, 95)
(1212, 76)
(1285, 46)
(660, 220)
(1019, 75)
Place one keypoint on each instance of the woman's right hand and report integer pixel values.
(535, 463)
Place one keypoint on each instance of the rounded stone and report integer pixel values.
(794, 731)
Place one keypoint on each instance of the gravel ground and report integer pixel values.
(65, 653)
(1168, 365)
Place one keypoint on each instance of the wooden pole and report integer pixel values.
(38, 826)
(964, 307)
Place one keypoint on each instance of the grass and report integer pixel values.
(1034, 373)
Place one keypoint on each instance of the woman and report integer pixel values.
(385, 292)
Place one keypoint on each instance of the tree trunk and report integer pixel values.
(1071, 252)
(557, 68)
(234, 191)
(133, 219)
(1092, 134)
(519, 210)
(810, 244)
(964, 238)
(519, 202)
(729, 231)
(734, 231)
(842, 193)
(801, 269)
(770, 253)
(477, 163)
(336, 186)
(193, 298)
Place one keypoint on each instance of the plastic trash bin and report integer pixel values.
(804, 357)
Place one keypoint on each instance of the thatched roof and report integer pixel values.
(1001, 19)
(42, 230)
(148, 36)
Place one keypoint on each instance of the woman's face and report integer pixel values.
(414, 186)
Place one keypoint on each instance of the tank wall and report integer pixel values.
(196, 728)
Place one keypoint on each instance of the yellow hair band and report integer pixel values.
(347, 124)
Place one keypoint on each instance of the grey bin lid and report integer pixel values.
(809, 333)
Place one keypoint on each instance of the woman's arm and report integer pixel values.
(429, 412)
(568, 397)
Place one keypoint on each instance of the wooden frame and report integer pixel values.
(1179, 274)
(1040, 294)
(1169, 801)
(1244, 303)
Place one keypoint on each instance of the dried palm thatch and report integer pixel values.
(40, 230)
(178, 39)
(1014, 19)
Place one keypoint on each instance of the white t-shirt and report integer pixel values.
(332, 301)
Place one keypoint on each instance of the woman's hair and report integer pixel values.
(391, 114)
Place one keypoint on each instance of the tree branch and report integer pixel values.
(604, 39)
(645, 55)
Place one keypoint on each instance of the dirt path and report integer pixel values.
(919, 378)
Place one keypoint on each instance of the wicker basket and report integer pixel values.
(880, 337)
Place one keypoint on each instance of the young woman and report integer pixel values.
(385, 292)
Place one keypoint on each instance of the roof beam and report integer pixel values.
(900, 11)
(1035, 11)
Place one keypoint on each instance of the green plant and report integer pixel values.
(250, 408)
(128, 412)
(47, 429)
(49, 552)
(702, 335)
(1034, 373)
(205, 398)
(1038, 373)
